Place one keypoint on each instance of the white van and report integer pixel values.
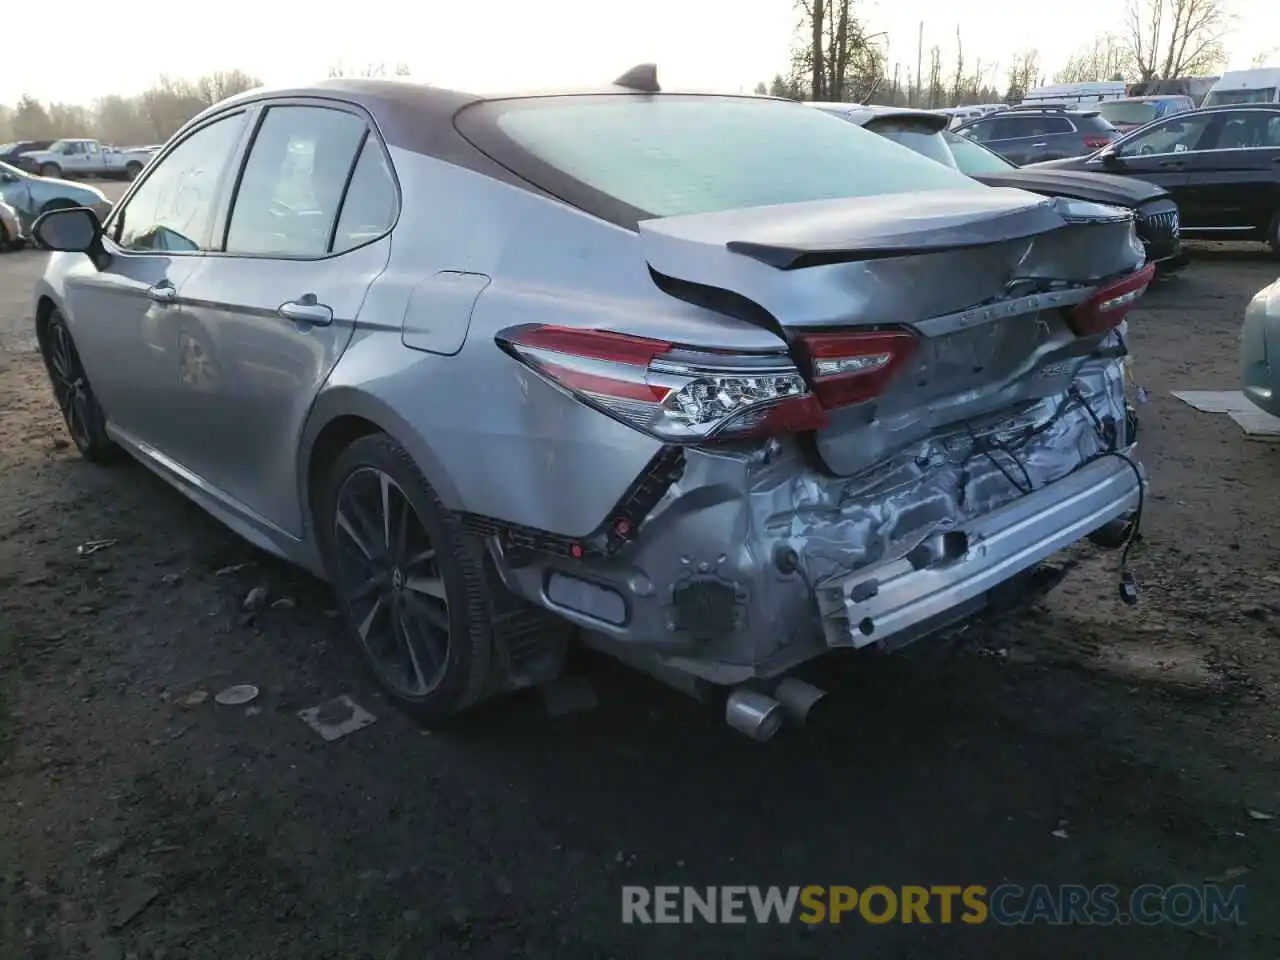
(1074, 94)
(1245, 86)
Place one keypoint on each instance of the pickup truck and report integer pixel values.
(85, 158)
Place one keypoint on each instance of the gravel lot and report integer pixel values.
(139, 819)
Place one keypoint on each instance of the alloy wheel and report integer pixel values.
(388, 575)
(70, 387)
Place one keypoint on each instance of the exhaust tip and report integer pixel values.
(803, 703)
(756, 714)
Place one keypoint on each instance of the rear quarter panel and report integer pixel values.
(491, 437)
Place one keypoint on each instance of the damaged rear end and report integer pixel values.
(944, 408)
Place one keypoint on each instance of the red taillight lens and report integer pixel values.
(1096, 141)
(851, 367)
(680, 394)
(1109, 305)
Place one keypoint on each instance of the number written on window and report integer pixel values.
(173, 209)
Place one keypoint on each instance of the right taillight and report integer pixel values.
(1108, 305)
(694, 394)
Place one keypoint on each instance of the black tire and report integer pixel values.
(131, 170)
(6, 243)
(50, 170)
(393, 652)
(1273, 235)
(81, 412)
(57, 204)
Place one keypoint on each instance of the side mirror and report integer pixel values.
(71, 230)
(1111, 157)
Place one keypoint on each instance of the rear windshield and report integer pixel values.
(972, 159)
(1134, 113)
(1219, 98)
(627, 158)
(925, 139)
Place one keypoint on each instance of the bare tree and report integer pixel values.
(958, 78)
(835, 58)
(1106, 58)
(370, 70)
(218, 86)
(1024, 74)
(935, 76)
(1175, 38)
(1265, 58)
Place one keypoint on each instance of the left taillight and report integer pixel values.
(679, 394)
(1110, 304)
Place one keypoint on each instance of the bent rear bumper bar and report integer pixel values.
(902, 597)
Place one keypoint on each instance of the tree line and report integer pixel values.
(149, 117)
(836, 57)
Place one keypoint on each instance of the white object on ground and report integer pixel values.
(336, 718)
(1257, 424)
(238, 695)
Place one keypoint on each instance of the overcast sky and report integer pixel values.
(495, 45)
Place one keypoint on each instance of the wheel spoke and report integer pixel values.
(356, 523)
(427, 586)
(405, 640)
(367, 623)
(375, 583)
(418, 559)
(384, 484)
(435, 615)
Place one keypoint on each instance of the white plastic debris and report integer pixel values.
(238, 695)
(1259, 815)
(337, 718)
(1256, 424)
(1060, 834)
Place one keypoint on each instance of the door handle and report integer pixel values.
(1176, 164)
(306, 310)
(163, 292)
(1037, 146)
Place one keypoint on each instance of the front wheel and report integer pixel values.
(86, 423)
(50, 170)
(409, 583)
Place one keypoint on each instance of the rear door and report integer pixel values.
(1233, 180)
(306, 234)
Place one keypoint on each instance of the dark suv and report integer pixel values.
(1032, 134)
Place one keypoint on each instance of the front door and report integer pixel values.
(1161, 154)
(276, 310)
(125, 317)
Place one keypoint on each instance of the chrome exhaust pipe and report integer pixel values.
(802, 702)
(756, 714)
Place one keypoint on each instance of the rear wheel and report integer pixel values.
(132, 169)
(409, 583)
(6, 242)
(1273, 234)
(50, 170)
(86, 423)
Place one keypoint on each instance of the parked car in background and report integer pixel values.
(12, 234)
(1133, 112)
(1221, 165)
(1196, 88)
(10, 152)
(604, 358)
(85, 158)
(1260, 350)
(1030, 134)
(925, 132)
(31, 196)
(1084, 94)
(1245, 86)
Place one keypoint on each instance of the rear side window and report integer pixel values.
(293, 181)
(370, 206)
(1055, 125)
(1095, 123)
(627, 158)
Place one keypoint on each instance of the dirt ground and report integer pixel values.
(1089, 743)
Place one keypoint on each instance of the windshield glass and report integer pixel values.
(671, 155)
(924, 139)
(56, 146)
(1220, 98)
(1131, 113)
(973, 159)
